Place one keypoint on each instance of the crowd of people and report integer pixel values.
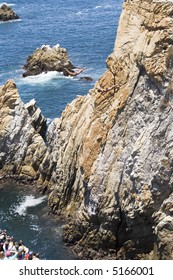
(12, 250)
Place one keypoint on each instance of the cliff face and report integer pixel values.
(113, 147)
(21, 148)
(108, 160)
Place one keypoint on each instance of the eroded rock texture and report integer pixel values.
(113, 147)
(107, 161)
(22, 149)
(46, 59)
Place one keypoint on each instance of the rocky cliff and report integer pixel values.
(113, 147)
(22, 149)
(108, 160)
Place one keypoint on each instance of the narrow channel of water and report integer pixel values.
(24, 214)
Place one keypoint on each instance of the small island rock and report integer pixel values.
(6, 13)
(86, 78)
(46, 59)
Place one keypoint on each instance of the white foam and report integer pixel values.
(103, 7)
(13, 20)
(42, 78)
(107, 6)
(83, 12)
(35, 227)
(98, 7)
(29, 201)
(8, 4)
(79, 13)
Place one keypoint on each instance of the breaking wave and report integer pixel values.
(13, 20)
(29, 201)
(43, 78)
(8, 4)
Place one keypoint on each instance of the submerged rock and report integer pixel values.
(46, 59)
(85, 78)
(6, 13)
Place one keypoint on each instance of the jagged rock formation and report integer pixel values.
(22, 149)
(6, 13)
(113, 147)
(46, 59)
(108, 160)
(38, 120)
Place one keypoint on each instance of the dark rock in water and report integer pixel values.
(46, 59)
(89, 79)
(6, 13)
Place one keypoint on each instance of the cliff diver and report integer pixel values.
(74, 74)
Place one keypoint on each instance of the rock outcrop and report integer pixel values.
(38, 120)
(107, 161)
(46, 59)
(113, 147)
(6, 13)
(22, 149)
(85, 78)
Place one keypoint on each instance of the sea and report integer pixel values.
(87, 29)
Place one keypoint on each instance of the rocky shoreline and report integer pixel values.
(6, 13)
(107, 161)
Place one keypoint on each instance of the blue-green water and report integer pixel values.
(24, 214)
(87, 29)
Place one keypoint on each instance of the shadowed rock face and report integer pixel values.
(38, 120)
(108, 159)
(6, 13)
(46, 59)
